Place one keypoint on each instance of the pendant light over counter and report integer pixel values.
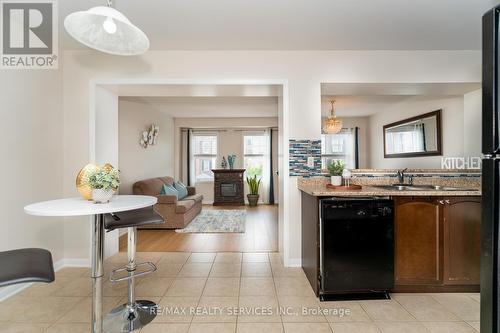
(332, 125)
(107, 30)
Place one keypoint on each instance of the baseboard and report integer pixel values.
(293, 262)
(69, 262)
(10, 291)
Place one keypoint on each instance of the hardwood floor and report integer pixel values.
(261, 235)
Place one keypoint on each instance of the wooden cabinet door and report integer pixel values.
(418, 232)
(462, 237)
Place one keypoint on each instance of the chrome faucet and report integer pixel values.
(401, 175)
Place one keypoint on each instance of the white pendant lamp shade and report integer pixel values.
(107, 30)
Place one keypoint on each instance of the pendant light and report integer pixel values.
(332, 125)
(107, 30)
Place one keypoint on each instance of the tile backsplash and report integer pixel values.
(299, 151)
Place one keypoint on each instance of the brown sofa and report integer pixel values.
(176, 213)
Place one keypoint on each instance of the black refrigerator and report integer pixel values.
(490, 297)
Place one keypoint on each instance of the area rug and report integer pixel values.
(212, 221)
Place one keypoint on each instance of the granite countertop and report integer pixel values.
(320, 190)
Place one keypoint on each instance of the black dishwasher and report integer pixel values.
(356, 248)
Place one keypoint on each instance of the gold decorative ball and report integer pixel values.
(82, 181)
(107, 167)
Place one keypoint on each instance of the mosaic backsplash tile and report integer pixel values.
(299, 151)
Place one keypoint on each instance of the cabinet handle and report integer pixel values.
(447, 201)
(441, 202)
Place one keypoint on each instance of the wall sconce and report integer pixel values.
(149, 136)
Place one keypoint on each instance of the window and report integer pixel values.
(255, 150)
(339, 146)
(204, 148)
(406, 139)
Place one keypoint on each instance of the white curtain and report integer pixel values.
(256, 152)
(405, 139)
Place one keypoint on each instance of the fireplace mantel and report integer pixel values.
(228, 170)
(228, 187)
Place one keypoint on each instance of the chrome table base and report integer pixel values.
(127, 319)
(97, 273)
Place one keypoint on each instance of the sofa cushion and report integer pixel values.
(167, 180)
(183, 206)
(195, 197)
(149, 186)
(169, 190)
(181, 188)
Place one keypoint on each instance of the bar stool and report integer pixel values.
(26, 265)
(135, 313)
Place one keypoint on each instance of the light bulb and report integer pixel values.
(109, 25)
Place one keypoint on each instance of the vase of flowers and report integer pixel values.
(104, 182)
(336, 168)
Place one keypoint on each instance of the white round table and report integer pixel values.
(82, 207)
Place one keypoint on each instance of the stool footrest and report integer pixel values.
(151, 268)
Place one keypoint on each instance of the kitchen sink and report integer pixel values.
(410, 187)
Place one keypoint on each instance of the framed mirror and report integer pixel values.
(413, 137)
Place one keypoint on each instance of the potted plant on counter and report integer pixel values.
(104, 182)
(336, 168)
(253, 186)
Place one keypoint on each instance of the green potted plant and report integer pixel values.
(336, 168)
(104, 181)
(253, 185)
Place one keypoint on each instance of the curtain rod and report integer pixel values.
(184, 129)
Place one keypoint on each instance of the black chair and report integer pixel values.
(26, 265)
(135, 313)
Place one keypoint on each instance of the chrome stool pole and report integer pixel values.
(134, 314)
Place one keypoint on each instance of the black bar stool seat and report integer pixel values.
(132, 218)
(26, 265)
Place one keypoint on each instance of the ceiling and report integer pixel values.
(299, 24)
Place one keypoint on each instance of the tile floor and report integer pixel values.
(211, 287)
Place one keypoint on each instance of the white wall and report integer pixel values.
(472, 123)
(32, 156)
(230, 141)
(137, 163)
(303, 70)
(106, 149)
(452, 130)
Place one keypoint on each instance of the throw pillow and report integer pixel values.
(182, 189)
(169, 190)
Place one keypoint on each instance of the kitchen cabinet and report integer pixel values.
(461, 243)
(437, 244)
(418, 228)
